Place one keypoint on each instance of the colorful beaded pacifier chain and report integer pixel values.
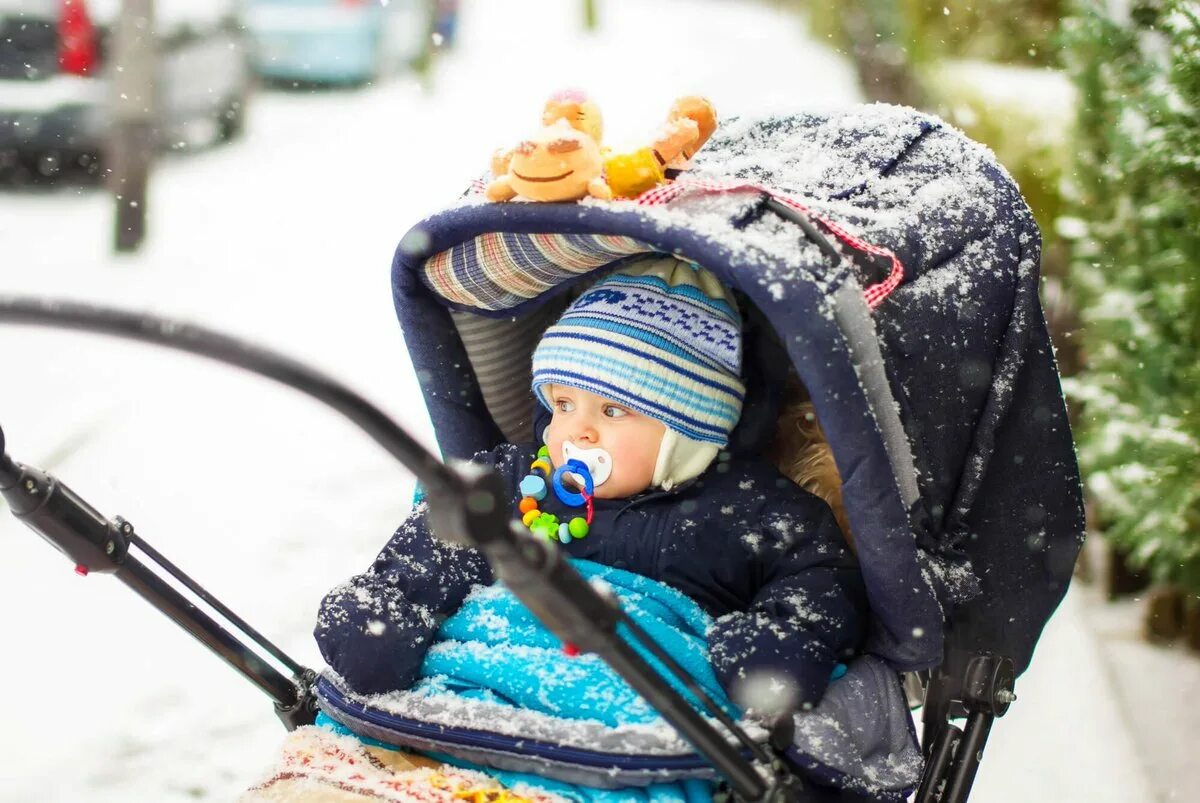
(533, 490)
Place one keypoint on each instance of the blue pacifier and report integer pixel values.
(568, 497)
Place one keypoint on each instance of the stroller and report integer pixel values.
(919, 339)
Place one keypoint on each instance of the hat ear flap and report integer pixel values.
(665, 448)
(681, 459)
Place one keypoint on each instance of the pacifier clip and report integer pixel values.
(534, 489)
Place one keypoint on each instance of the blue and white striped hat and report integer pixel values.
(659, 335)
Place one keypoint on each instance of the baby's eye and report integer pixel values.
(565, 406)
(614, 412)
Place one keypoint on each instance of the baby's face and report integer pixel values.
(587, 421)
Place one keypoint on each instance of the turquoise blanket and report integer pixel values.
(494, 649)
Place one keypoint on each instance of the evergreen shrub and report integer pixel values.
(1135, 205)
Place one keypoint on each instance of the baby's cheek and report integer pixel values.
(633, 463)
(554, 443)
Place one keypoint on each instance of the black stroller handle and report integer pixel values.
(205, 342)
(466, 504)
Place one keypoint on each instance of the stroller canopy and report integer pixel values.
(942, 403)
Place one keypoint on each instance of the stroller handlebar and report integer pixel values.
(214, 345)
(465, 507)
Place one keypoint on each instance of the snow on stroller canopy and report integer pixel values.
(943, 408)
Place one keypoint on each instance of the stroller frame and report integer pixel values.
(462, 499)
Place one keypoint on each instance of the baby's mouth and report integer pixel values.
(598, 461)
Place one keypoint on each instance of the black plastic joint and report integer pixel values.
(988, 684)
(304, 710)
(65, 520)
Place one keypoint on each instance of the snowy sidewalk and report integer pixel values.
(1066, 739)
(1158, 691)
(1101, 715)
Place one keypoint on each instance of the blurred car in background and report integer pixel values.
(55, 68)
(336, 41)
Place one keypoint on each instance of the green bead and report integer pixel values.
(544, 452)
(578, 527)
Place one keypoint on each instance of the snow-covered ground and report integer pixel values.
(268, 499)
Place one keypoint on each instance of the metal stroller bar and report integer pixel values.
(96, 544)
(213, 602)
(695, 688)
(217, 346)
(466, 506)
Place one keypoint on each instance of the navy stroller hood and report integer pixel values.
(942, 404)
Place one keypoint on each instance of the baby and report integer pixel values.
(641, 376)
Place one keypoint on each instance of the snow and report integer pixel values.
(436, 706)
(268, 499)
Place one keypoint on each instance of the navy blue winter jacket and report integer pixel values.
(757, 552)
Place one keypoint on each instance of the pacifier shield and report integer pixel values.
(598, 461)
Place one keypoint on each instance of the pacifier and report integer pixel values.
(578, 471)
(597, 460)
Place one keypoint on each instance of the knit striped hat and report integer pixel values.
(659, 335)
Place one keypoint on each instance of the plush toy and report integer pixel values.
(690, 122)
(564, 161)
(559, 163)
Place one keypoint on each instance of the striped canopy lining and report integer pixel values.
(500, 352)
(499, 271)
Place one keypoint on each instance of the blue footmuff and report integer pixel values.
(497, 691)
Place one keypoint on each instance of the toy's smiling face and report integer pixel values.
(555, 165)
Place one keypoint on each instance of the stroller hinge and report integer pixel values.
(304, 710)
(982, 691)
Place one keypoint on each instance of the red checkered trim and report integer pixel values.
(873, 295)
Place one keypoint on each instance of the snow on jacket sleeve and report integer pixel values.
(374, 629)
(810, 610)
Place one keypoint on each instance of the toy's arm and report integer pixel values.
(810, 613)
(500, 190)
(598, 188)
(673, 137)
